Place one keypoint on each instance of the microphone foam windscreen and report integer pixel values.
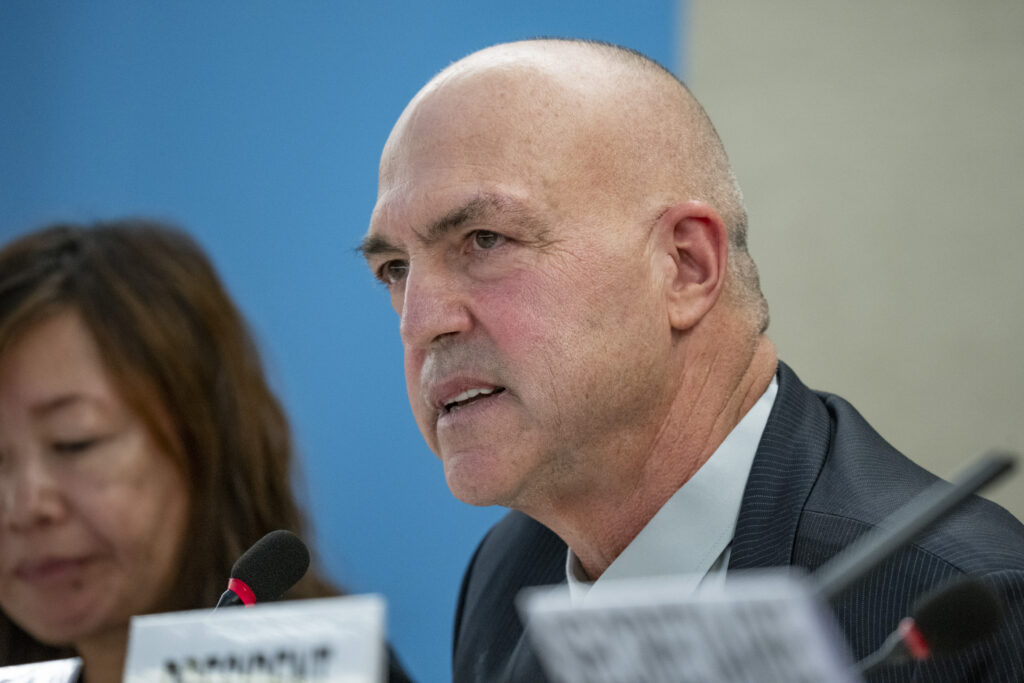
(272, 565)
(957, 614)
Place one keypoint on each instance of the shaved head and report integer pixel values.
(608, 127)
(564, 244)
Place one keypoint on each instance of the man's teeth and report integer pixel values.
(470, 394)
(466, 395)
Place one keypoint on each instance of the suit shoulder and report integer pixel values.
(518, 550)
(516, 553)
(865, 479)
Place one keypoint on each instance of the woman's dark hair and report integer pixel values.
(183, 359)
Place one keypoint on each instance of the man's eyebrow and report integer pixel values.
(373, 245)
(478, 207)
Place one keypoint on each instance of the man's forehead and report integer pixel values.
(470, 109)
(513, 88)
(478, 139)
(444, 155)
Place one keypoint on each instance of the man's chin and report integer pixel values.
(475, 480)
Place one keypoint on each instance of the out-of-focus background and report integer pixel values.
(880, 147)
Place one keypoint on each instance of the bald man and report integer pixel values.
(564, 242)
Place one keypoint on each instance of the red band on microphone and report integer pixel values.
(917, 646)
(242, 591)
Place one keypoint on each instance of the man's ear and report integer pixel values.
(694, 240)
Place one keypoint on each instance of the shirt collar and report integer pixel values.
(690, 533)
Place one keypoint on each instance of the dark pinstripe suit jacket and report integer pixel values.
(821, 477)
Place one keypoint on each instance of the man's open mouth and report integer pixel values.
(470, 396)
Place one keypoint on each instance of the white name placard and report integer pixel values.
(53, 671)
(329, 639)
(758, 627)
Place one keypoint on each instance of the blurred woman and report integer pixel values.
(141, 450)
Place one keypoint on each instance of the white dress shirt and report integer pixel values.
(692, 532)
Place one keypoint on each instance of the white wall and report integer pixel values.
(881, 150)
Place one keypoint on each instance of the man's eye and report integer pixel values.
(392, 272)
(485, 239)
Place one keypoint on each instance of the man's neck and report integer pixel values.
(605, 518)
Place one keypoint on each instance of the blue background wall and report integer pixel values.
(257, 125)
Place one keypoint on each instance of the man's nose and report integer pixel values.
(29, 496)
(436, 305)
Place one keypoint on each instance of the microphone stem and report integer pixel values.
(891, 652)
(228, 599)
(898, 529)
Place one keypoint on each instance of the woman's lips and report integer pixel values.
(50, 569)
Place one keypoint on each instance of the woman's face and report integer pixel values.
(92, 512)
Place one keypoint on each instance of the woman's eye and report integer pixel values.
(73, 447)
(393, 271)
(485, 239)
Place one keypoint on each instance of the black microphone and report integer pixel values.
(945, 620)
(265, 571)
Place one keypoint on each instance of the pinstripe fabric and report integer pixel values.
(517, 552)
(822, 476)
